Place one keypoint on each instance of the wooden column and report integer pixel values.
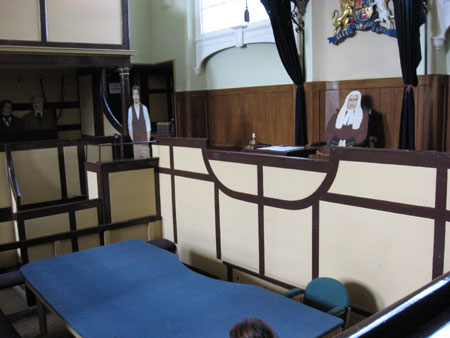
(125, 97)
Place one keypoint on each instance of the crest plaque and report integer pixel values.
(362, 15)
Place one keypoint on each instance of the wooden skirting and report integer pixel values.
(229, 116)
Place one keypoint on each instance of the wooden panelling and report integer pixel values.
(229, 116)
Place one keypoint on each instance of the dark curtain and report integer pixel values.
(280, 17)
(409, 16)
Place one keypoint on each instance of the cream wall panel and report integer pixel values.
(92, 183)
(239, 232)
(5, 199)
(86, 105)
(84, 21)
(196, 229)
(69, 135)
(447, 248)
(47, 226)
(19, 20)
(165, 191)
(69, 116)
(72, 171)
(389, 182)
(237, 176)
(163, 152)
(108, 128)
(287, 245)
(85, 219)
(289, 184)
(97, 153)
(379, 256)
(189, 159)
(7, 258)
(37, 172)
(118, 235)
(132, 194)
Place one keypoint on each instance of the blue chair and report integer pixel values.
(325, 294)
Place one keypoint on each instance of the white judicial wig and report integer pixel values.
(358, 115)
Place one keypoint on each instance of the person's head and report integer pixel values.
(353, 99)
(136, 94)
(252, 328)
(6, 107)
(38, 103)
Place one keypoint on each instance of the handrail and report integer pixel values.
(12, 176)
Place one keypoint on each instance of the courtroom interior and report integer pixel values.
(174, 167)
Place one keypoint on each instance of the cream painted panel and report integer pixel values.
(239, 232)
(108, 128)
(47, 226)
(5, 199)
(379, 256)
(389, 182)
(19, 20)
(154, 230)
(196, 229)
(165, 192)
(86, 105)
(289, 184)
(137, 231)
(97, 153)
(237, 176)
(287, 245)
(72, 171)
(84, 21)
(85, 219)
(189, 159)
(69, 115)
(7, 258)
(132, 194)
(92, 185)
(163, 152)
(37, 172)
(447, 248)
(106, 153)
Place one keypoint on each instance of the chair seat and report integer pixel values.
(164, 244)
(10, 279)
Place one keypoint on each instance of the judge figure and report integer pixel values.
(9, 125)
(350, 125)
(139, 125)
(39, 118)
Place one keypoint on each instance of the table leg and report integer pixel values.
(42, 317)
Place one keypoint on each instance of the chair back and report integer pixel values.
(325, 293)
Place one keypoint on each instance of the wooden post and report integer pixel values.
(124, 73)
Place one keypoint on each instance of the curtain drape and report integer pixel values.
(279, 12)
(409, 16)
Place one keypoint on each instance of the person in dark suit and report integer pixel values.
(10, 126)
(40, 124)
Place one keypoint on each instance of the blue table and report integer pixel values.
(134, 289)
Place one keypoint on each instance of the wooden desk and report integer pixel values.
(295, 151)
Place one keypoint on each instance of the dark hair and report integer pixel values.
(252, 328)
(2, 104)
(136, 87)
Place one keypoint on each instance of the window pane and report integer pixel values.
(221, 14)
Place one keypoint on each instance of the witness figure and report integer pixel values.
(139, 125)
(10, 126)
(252, 328)
(39, 118)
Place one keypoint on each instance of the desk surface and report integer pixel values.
(133, 289)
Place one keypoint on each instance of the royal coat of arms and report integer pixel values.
(373, 15)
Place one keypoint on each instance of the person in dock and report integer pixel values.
(39, 119)
(10, 125)
(139, 125)
(349, 127)
(252, 328)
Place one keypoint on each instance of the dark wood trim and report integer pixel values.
(24, 244)
(157, 192)
(182, 142)
(5, 214)
(48, 105)
(57, 209)
(62, 173)
(174, 209)
(260, 276)
(439, 224)
(52, 203)
(78, 45)
(81, 171)
(217, 221)
(99, 129)
(22, 237)
(73, 227)
(315, 240)
(125, 25)
(64, 143)
(261, 241)
(187, 174)
(43, 19)
(68, 127)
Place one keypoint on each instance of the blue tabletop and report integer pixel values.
(134, 289)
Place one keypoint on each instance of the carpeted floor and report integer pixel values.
(13, 305)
